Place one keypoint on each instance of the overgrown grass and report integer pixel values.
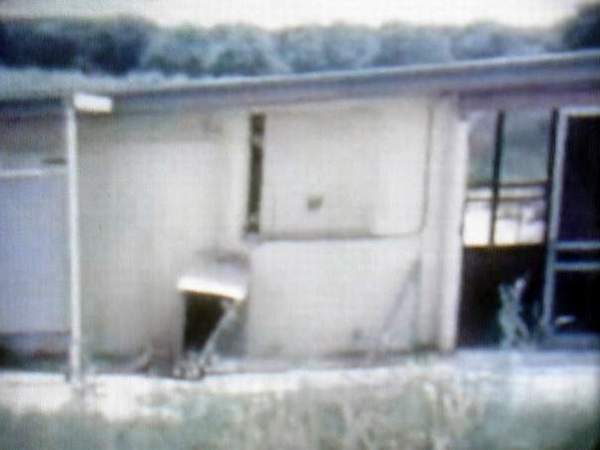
(419, 412)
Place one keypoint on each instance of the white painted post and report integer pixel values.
(75, 359)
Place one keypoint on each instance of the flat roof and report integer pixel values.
(548, 73)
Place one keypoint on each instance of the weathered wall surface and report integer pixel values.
(310, 299)
(493, 401)
(152, 193)
(441, 251)
(359, 240)
(373, 264)
(363, 163)
(356, 198)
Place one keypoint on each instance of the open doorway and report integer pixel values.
(532, 216)
(208, 320)
(202, 316)
(572, 288)
(214, 291)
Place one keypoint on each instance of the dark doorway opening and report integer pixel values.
(484, 270)
(580, 203)
(560, 304)
(573, 271)
(202, 316)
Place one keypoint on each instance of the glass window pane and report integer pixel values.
(32, 143)
(476, 223)
(481, 147)
(523, 172)
(525, 152)
(524, 165)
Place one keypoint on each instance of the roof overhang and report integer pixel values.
(548, 73)
(541, 76)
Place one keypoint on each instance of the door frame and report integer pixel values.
(553, 245)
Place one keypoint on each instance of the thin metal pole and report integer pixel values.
(75, 360)
(497, 163)
(553, 224)
(548, 288)
(550, 172)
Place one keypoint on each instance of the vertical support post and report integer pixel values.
(560, 124)
(75, 352)
(550, 173)
(548, 289)
(497, 166)
(456, 147)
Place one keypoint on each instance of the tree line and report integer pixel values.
(124, 45)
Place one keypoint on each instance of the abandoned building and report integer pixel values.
(309, 217)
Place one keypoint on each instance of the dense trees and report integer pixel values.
(486, 40)
(122, 46)
(583, 30)
(413, 45)
(243, 50)
(111, 47)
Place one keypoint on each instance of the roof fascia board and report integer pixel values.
(31, 108)
(547, 72)
(588, 94)
(580, 70)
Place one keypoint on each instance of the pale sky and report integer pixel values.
(281, 13)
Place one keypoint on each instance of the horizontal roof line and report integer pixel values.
(543, 71)
(588, 58)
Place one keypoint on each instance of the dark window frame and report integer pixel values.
(257, 123)
(497, 185)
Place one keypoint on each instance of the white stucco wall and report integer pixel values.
(359, 247)
(354, 273)
(350, 157)
(153, 194)
(441, 252)
(331, 297)
(378, 264)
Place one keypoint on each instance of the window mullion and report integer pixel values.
(496, 174)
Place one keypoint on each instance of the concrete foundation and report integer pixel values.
(473, 400)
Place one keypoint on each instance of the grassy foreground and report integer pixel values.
(422, 409)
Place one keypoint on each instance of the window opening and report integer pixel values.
(257, 135)
(505, 219)
(508, 178)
